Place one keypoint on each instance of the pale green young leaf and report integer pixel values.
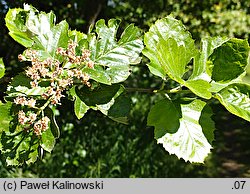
(2, 68)
(37, 30)
(189, 142)
(229, 61)
(15, 21)
(115, 57)
(236, 100)
(76, 35)
(169, 39)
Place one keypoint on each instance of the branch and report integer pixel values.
(144, 90)
(151, 90)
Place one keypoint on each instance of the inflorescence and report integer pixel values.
(60, 78)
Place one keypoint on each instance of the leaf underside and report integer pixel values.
(191, 141)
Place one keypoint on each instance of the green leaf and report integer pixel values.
(208, 44)
(80, 108)
(5, 115)
(229, 60)
(207, 123)
(115, 56)
(76, 35)
(119, 111)
(189, 142)
(117, 108)
(236, 100)
(102, 94)
(37, 30)
(173, 58)
(20, 85)
(199, 87)
(169, 46)
(53, 125)
(19, 147)
(2, 68)
(98, 74)
(47, 140)
(164, 116)
(15, 21)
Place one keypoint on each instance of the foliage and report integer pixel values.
(61, 59)
(89, 69)
(170, 48)
(2, 68)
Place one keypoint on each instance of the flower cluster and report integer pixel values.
(70, 54)
(39, 126)
(24, 101)
(59, 76)
(23, 119)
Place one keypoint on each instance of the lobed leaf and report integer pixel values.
(189, 142)
(15, 21)
(173, 58)
(20, 145)
(113, 58)
(236, 100)
(17, 146)
(169, 46)
(37, 30)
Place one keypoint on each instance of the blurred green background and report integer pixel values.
(96, 146)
